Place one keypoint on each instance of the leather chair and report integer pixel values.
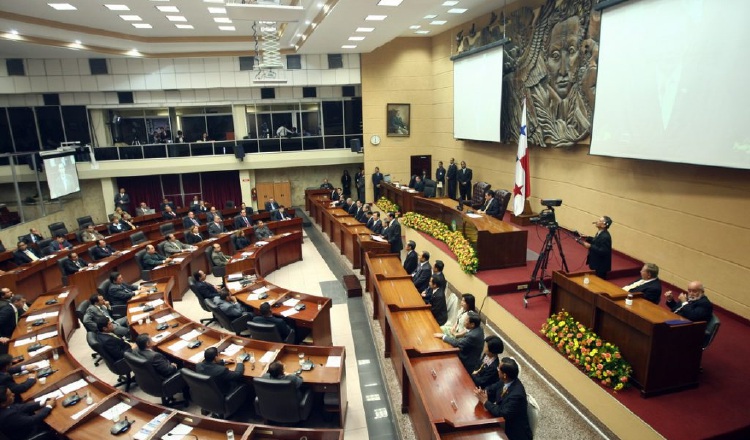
(80, 313)
(137, 237)
(60, 265)
(166, 229)
(160, 248)
(206, 394)
(79, 236)
(712, 328)
(44, 246)
(217, 271)
(267, 332)
(477, 195)
(503, 199)
(237, 325)
(145, 274)
(84, 221)
(120, 368)
(119, 310)
(532, 410)
(57, 228)
(201, 301)
(229, 204)
(430, 188)
(153, 384)
(278, 401)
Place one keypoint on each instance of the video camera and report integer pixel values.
(546, 217)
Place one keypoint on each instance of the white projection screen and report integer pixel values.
(672, 82)
(477, 95)
(62, 176)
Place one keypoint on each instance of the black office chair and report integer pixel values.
(60, 265)
(267, 332)
(44, 246)
(206, 394)
(153, 384)
(79, 236)
(201, 301)
(120, 368)
(145, 273)
(430, 188)
(712, 328)
(137, 237)
(84, 221)
(57, 228)
(237, 325)
(278, 401)
(160, 248)
(80, 313)
(229, 204)
(166, 229)
(217, 271)
(118, 310)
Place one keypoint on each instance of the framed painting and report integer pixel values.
(399, 119)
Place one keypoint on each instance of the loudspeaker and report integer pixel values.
(355, 145)
(239, 151)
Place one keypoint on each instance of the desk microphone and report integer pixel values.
(121, 426)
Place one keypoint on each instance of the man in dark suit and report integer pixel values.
(120, 292)
(393, 234)
(434, 295)
(151, 258)
(200, 208)
(213, 213)
(421, 275)
(437, 271)
(507, 399)
(359, 182)
(7, 371)
(23, 420)
(59, 244)
(224, 378)
(280, 214)
(362, 215)
(649, 283)
(346, 204)
(122, 200)
(216, 227)
(355, 208)
(471, 345)
(336, 194)
(599, 258)
(102, 250)
(112, 344)
(326, 185)
(440, 179)
(229, 305)
(464, 177)
(74, 263)
(419, 184)
(161, 364)
(163, 205)
(694, 306)
(189, 220)
(100, 308)
(24, 254)
(491, 205)
(276, 371)
(377, 224)
(377, 178)
(248, 210)
(271, 205)
(168, 213)
(116, 226)
(9, 316)
(370, 220)
(266, 317)
(242, 221)
(203, 287)
(412, 259)
(452, 175)
(34, 236)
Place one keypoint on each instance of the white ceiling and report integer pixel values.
(44, 32)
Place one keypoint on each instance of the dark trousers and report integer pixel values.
(452, 189)
(376, 192)
(465, 191)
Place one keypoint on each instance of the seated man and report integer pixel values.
(355, 208)
(346, 204)
(100, 308)
(242, 220)
(213, 213)
(74, 263)
(127, 222)
(116, 226)
(23, 420)
(7, 370)
(168, 213)
(337, 194)
(507, 399)
(361, 215)
(276, 371)
(224, 378)
(248, 210)
(174, 246)
(435, 296)
(143, 209)
(271, 205)
(412, 259)
(200, 208)
(486, 374)
(262, 232)
(418, 183)
(91, 234)
(34, 236)
(421, 276)
(203, 287)
(102, 250)
(216, 227)
(649, 283)
(59, 244)
(266, 317)
(694, 306)
(437, 271)
(164, 203)
(120, 292)
(113, 345)
(189, 221)
(280, 214)
(229, 306)
(491, 205)
(152, 259)
(24, 254)
(471, 344)
(161, 364)
(218, 257)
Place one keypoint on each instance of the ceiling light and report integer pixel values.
(457, 10)
(430, 17)
(226, 28)
(213, 1)
(142, 25)
(130, 17)
(450, 3)
(349, 46)
(321, 4)
(176, 18)
(364, 29)
(168, 9)
(133, 53)
(376, 17)
(117, 7)
(77, 42)
(414, 26)
(13, 32)
(356, 38)
(184, 26)
(389, 2)
(62, 6)
(217, 10)
(422, 32)
(438, 22)
(222, 20)
(307, 22)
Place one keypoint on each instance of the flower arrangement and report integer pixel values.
(386, 205)
(457, 243)
(598, 359)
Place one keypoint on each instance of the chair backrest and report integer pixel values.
(204, 391)
(277, 400)
(452, 305)
(145, 375)
(430, 188)
(81, 312)
(103, 289)
(532, 409)
(220, 316)
(54, 228)
(264, 332)
(61, 265)
(477, 197)
(44, 245)
(79, 236)
(139, 258)
(712, 328)
(84, 221)
(201, 300)
(160, 248)
(503, 199)
(209, 252)
(166, 228)
(137, 237)
(118, 367)
(229, 204)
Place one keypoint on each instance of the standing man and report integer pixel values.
(421, 275)
(377, 177)
(464, 181)
(122, 200)
(599, 258)
(393, 234)
(440, 179)
(359, 181)
(9, 317)
(412, 259)
(452, 174)
(507, 399)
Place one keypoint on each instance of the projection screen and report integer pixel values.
(477, 95)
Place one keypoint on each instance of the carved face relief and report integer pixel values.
(563, 56)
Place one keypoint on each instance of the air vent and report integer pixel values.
(247, 63)
(335, 61)
(125, 97)
(267, 93)
(51, 98)
(293, 62)
(15, 67)
(309, 92)
(98, 66)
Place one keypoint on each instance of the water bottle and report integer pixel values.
(629, 300)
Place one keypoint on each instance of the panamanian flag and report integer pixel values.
(522, 188)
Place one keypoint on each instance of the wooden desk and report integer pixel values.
(280, 251)
(60, 419)
(330, 216)
(93, 425)
(87, 280)
(404, 198)
(362, 245)
(180, 270)
(385, 265)
(498, 244)
(320, 194)
(339, 228)
(642, 331)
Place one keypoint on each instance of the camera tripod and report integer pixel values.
(553, 235)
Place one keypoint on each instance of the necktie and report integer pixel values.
(195, 222)
(246, 222)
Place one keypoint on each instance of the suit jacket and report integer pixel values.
(150, 261)
(377, 227)
(23, 420)
(163, 206)
(7, 382)
(206, 289)
(240, 242)
(419, 186)
(112, 228)
(421, 276)
(438, 305)
(411, 262)
(352, 209)
(470, 347)
(120, 294)
(263, 232)
(377, 178)
(168, 215)
(440, 174)
(326, 185)
(141, 211)
(271, 206)
(174, 247)
(335, 196)
(99, 252)
(281, 326)
(21, 257)
(276, 215)
(8, 320)
(486, 374)
(88, 236)
(699, 310)
(113, 345)
(219, 259)
(57, 247)
(161, 364)
(493, 208)
(122, 201)
(464, 176)
(240, 222)
(513, 406)
(31, 238)
(93, 313)
(198, 209)
(452, 172)
(188, 222)
(361, 216)
(70, 267)
(215, 229)
(600, 252)
(222, 375)
(651, 290)
(233, 310)
(394, 237)
(193, 238)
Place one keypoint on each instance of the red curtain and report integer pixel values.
(142, 189)
(215, 187)
(221, 186)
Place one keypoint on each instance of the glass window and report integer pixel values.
(333, 118)
(23, 128)
(76, 124)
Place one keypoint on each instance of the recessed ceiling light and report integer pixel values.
(376, 17)
(389, 2)
(142, 25)
(349, 46)
(13, 32)
(184, 26)
(450, 3)
(133, 52)
(414, 26)
(227, 28)
(130, 17)
(217, 10)
(356, 38)
(430, 17)
(117, 7)
(457, 10)
(321, 4)
(307, 22)
(62, 6)
(438, 22)
(222, 20)
(422, 32)
(168, 9)
(176, 18)
(213, 1)
(364, 29)
(78, 42)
